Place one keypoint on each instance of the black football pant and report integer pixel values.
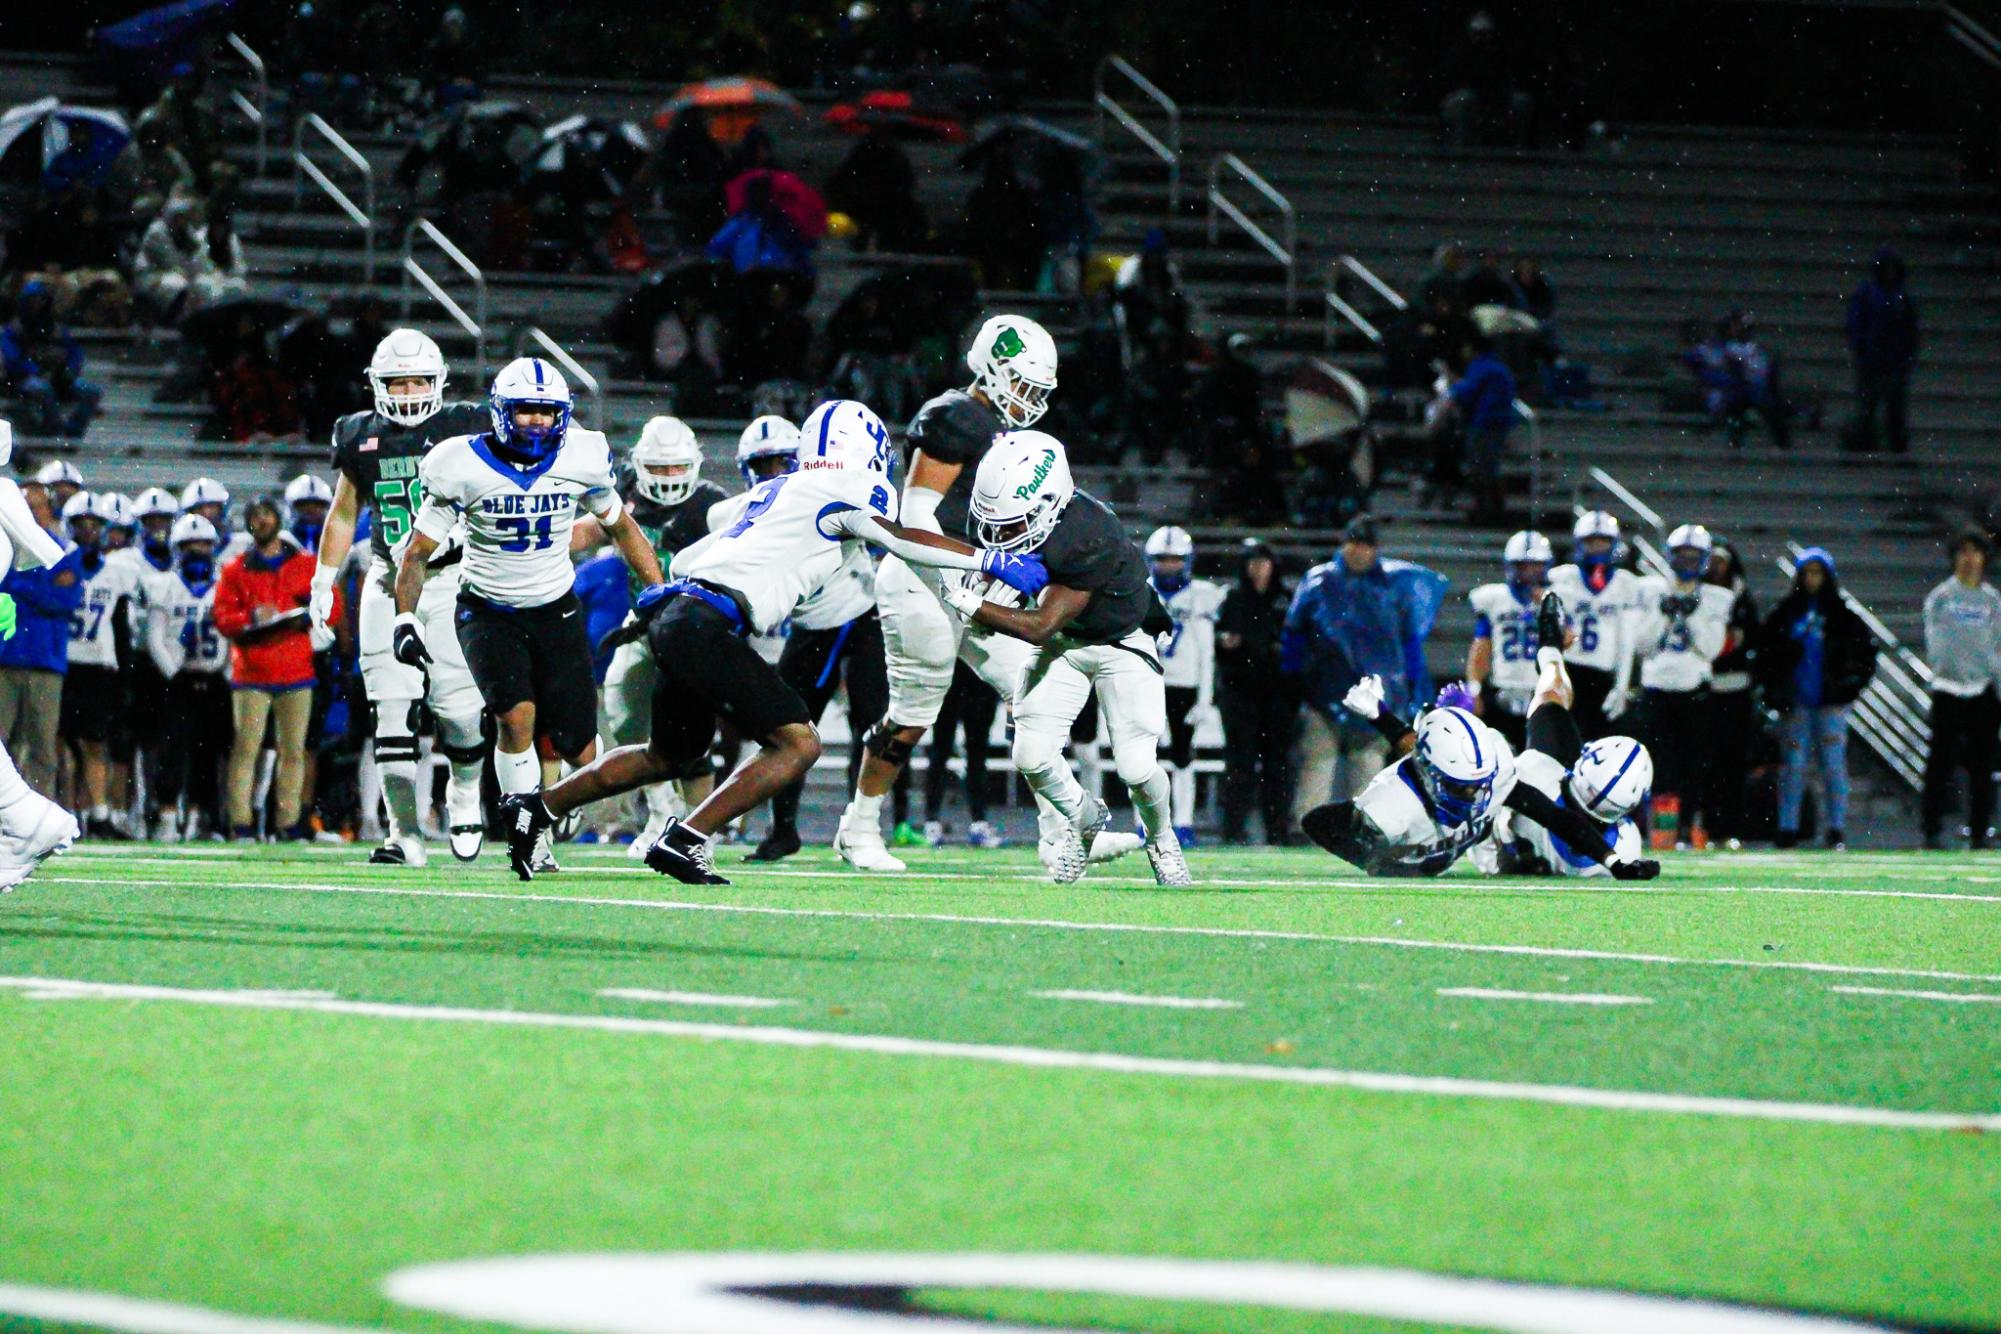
(194, 744)
(1962, 737)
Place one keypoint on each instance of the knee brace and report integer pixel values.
(883, 743)
(396, 730)
(462, 740)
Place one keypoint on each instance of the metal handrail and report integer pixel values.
(475, 323)
(571, 367)
(1367, 275)
(1647, 514)
(1286, 252)
(1969, 33)
(1897, 728)
(1169, 151)
(255, 110)
(363, 214)
(1336, 304)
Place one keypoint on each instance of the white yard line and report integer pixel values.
(1052, 924)
(1956, 997)
(1129, 998)
(134, 1315)
(1046, 1058)
(1546, 997)
(693, 998)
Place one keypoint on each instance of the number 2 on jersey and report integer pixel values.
(769, 490)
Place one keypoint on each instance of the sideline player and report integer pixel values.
(376, 455)
(1187, 656)
(32, 828)
(1684, 624)
(1093, 631)
(515, 491)
(94, 688)
(1603, 603)
(1013, 361)
(1501, 662)
(781, 542)
(1422, 813)
(670, 502)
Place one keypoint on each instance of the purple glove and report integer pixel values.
(1456, 696)
(1022, 572)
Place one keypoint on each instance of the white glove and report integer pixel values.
(961, 599)
(1617, 700)
(319, 608)
(321, 637)
(1365, 698)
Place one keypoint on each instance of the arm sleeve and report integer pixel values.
(1576, 830)
(604, 503)
(435, 519)
(866, 527)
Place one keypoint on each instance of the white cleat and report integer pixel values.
(1102, 844)
(466, 822)
(1064, 857)
(862, 848)
(544, 862)
(53, 831)
(1170, 868)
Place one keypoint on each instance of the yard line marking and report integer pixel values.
(1058, 924)
(1551, 997)
(1130, 998)
(1960, 997)
(692, 998)
(1048, 1058)
(134, 1315)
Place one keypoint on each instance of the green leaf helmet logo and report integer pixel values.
(1008, 344)
(1039, 476)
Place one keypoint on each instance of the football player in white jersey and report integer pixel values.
(177, 608)
(210, 499)
(1602, 602)
(780, 543)
(514, 493)
(94, 686)
(1457, 777)
(1187, 660)
(1501, 664)
(1685, 622)
(32, 828)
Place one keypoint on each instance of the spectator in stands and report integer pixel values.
(1445, 278)
(1733, 706)
(147, 173)
(1530, 291)
(685, 170)
(1354, 616)
(260, 601)
(255, 401)
(1260, 710)
(34, 660)
(1427, 332)
(1155, 338)
(759, 236)
(1963, 648)
(70, 241)
(1486, 285)
(877, 187)
(1482, 401)
(1484, 104)
(1754, 384)
(177, 269)
(452, 63)
(41, 368)
(183, 114)
(1814, 656)
(1004, 229)
(1883, 341)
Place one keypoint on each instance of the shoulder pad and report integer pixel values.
(954, 427)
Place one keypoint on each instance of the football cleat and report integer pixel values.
(685, 854)
(860, 846)
(401, 850)
(1170, 868)
(527, 822)
(466, 822)
(1064, 857)
(1102, 844)
(776, 847)
(934, 833)
(545, 862)
(53, 831)
(907, 835)
(983, 834)
(1549, 622)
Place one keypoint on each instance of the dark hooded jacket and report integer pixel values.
(1258, 619)
(1848, 650)
(1883, 319)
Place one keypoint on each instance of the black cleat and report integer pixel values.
(525, 819)
(388, 855)
(777, 846)
(685, 855)
(1549, 622)
(1328, 825)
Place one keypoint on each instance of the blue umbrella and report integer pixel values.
(56, 146)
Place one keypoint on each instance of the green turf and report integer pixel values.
(285, 1162)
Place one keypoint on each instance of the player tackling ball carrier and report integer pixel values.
(779, 543)
(1458, 779)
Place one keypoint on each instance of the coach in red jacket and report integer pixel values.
(260, 607)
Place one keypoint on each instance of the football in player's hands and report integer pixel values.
(1634, 870)
(1365, 697)
(1021, 571)
(407, 644)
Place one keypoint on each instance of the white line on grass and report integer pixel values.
(1050, 924)
(1547, 997)
(1620, 1100)
(1958, 997)
(134, 1315)
(692, 998)
(1130, 998)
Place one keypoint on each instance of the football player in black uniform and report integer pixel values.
(670, 502)
(1093, 630)
(376, 455)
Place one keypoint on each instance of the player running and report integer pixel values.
(1501, 663)
(1187, 657)
(1456, 779)
(781, 542)
(1093, 630)
(376, 455)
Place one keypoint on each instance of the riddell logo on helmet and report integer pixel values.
(1041, 474)
(1008, 344)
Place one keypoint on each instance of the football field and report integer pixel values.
(281, 1089)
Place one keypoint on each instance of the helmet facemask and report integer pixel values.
(407, 409)
(1019, 400)
(668, 482)
(1022, 531)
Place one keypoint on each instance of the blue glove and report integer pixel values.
(649, 597)
(1023, 572)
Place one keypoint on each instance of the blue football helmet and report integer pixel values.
(529, 382)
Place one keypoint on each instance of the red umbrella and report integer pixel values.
(733, 105)
(899, 114)
(797, 202)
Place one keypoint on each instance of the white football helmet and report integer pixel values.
(59, 471)
(524, 381)
(191, 528)
(1013, 361)
(204, 491)
(306, 487)
(1020, 491)
(1171, 542)
(1456, 763)
(766, 438)
(79, 506)
(1527, 548)
(1691, 538)
(154, 500)
(1595, 523)
(406, 354)
(842, 433)
(667, 461)
(1611, 778)
(114, 509)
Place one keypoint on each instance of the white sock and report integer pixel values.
(865, 812)
(1152, 802)
(1545, 658)
(13, 788)
(517, 771)
(1061, 794)
(659, 798)
(1182, 780)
